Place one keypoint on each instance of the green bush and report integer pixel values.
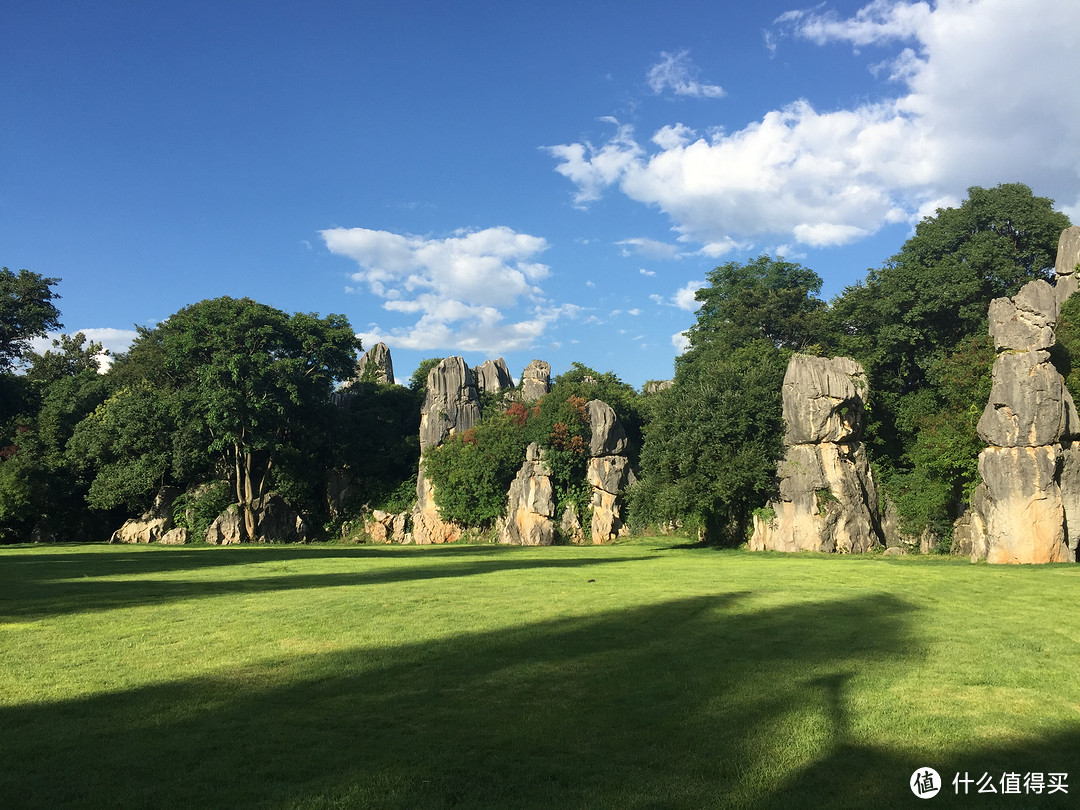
(196, 509)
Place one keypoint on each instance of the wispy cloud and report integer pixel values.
(676, 73)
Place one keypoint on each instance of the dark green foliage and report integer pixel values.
(588, 384)
(197, 508)
(711, 449)
(472, 471)
(1066, 354)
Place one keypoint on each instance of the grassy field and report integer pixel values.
(627, 676)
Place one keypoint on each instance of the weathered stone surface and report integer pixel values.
(570, 526)
(428, 525)
(227, 528)
(969, 530)
(379, 355)
(535, 380)
(530, 507)
(1068, 253)
(1025, 321)
(154, 522)
(610, 473)
(828, 502)
(385, 527)
(823, 400)
(1069, 483)
(177, 536)
(655, 386)
(492, 376)
(608, 435)
(1029, 405)
(277, 522)
(1064, 287)
(1024, 512)
(451, 404)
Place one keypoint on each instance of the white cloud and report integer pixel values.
(647, 273)
(680, 341)
(684, 298)
(462, 287)
(675, 72)
(982, 93)
(112, 340)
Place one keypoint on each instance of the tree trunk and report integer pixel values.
(252, 482)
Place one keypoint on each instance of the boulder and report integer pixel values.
(383, 370)
(451, 402)
(608, 435)
(570, 525)
(823, 400)
(1029, 405)
(428, 525)
(1025, 519)
(154, 522)
(535, 380)
(175, 537)
(493, 376)
(1068, 252)
(969, 530)
(530, 505)
(385, 527)
(227, 528)
(655, 386)
(1025, 321)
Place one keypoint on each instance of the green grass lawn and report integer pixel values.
(627, 676)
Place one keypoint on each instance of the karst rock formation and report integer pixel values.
(828, 501)
(1029, 496)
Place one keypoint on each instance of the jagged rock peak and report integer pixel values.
(379, 354)
(492, 376)
(451, 402)
(608, 435)
(535, 380)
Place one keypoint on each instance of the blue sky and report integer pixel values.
(523, 180)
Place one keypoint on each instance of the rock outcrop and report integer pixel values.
(828, 501)
(154, 524)
(535, 380)
(275, 522)
(451, 405)
(493, 376)
(1030, 489)
(530, 508)
(608, 471)
(382, 371)
(386, 527)
(227, 528)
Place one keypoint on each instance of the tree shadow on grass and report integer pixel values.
(34, 592)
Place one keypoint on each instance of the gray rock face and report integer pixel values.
(379, 354)
(828, 501)
(608, 435)
(386, 527)
(177, 536)
(1029, 404)
(1025, 321)
(227, 528)
(570, 525)
(277, 522)
(530, 508)
(823, 400)
(493, 376)
(1068, 253)
(451, 403)
(535, 380)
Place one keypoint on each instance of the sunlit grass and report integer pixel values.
(633, 675)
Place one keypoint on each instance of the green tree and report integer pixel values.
(26, 312)
(715, 435)
(234, 381)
